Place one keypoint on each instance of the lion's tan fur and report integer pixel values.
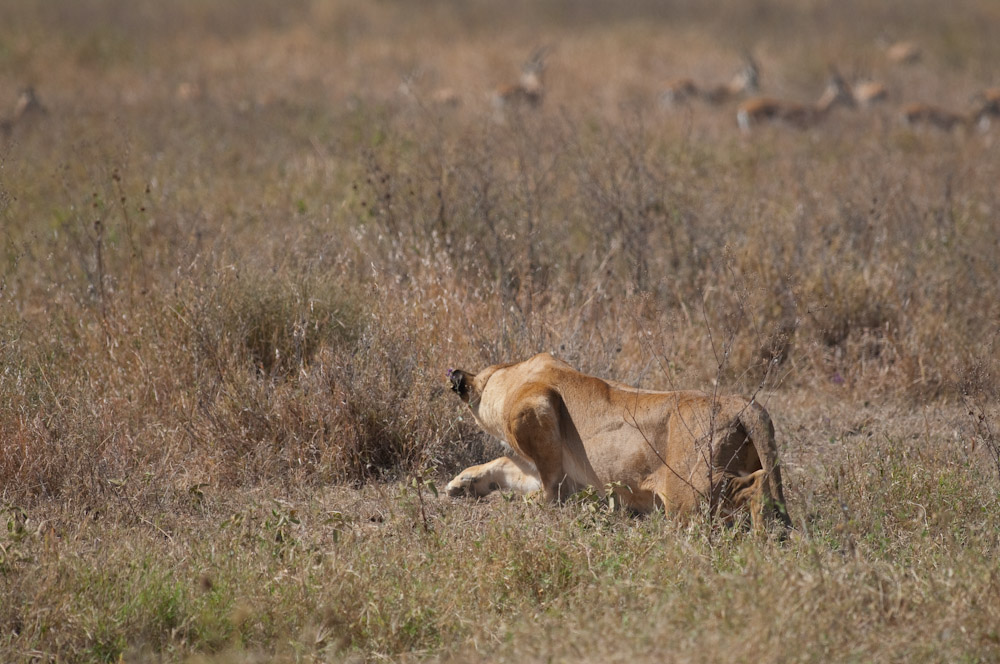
(566, 430)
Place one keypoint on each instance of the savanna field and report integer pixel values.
(242, 243)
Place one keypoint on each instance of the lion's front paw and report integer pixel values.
(460, 486)
(463, 485)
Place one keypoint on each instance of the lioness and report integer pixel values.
(566, 430)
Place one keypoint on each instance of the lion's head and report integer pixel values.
(461, 383)
(470, 387)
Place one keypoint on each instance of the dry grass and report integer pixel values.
(244, 241)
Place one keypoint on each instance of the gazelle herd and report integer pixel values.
(866, 93)
(752, 109)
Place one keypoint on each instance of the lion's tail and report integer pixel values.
(760, 430)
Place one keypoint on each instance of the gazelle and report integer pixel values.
(935, 116)
(528, 91)
(679, 91)
(760, 109)
(988, 106)
(26, 106)
(903, 52)
(869, 93)
(443, 97)
(446, 97)
(744, 82)
(985, 105)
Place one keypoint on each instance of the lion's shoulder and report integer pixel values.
(543, 361)
(542, 369)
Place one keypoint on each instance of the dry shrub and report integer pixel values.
(274, 323)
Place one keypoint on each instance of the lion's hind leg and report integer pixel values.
(748, 490)
(503, 473)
